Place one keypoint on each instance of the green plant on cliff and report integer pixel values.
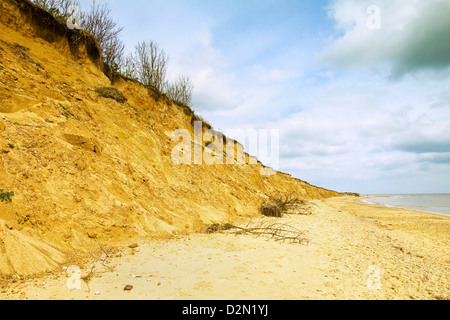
(61, 17)
(111, 93)
(6, 196)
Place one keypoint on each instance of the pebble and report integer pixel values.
(128, 287)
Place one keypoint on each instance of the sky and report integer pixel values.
(359, 90)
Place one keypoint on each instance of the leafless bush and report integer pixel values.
(99, 23)
(129, 69)
(63, 10)
(271, 209)
(56, 7)
(45, 4)
(150, 65)
(279, 204)
(287, 200)
(181, 90)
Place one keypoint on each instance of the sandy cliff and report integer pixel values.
(89, 171)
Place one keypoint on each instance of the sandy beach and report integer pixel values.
(354, 251)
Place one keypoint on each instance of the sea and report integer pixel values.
(434, 203)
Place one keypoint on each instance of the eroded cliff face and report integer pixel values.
(89, 171)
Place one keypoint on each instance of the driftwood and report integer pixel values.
(274, 230)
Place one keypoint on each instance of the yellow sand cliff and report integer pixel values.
(89, 171)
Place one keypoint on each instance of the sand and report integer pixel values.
(354, 251)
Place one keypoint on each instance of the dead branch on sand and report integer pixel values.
(276, 231)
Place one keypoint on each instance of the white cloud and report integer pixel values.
(413, 36)
(353, 134)
(428, 137)
(215, 91)
(264, 75)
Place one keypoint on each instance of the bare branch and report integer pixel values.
(150, 64)
(276, 231)
(181, 90)
(99, 23)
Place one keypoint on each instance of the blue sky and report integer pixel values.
(358, 109)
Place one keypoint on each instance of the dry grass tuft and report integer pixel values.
(271, 208)
(280, 204)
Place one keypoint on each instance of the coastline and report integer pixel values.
(399, 206)
(355, 251)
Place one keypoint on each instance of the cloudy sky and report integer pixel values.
(359, 90)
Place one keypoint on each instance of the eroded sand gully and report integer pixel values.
(355, 251)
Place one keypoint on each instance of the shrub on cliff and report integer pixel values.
(97, 22)
(148, 63)
(181, 90)
(6, 196)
